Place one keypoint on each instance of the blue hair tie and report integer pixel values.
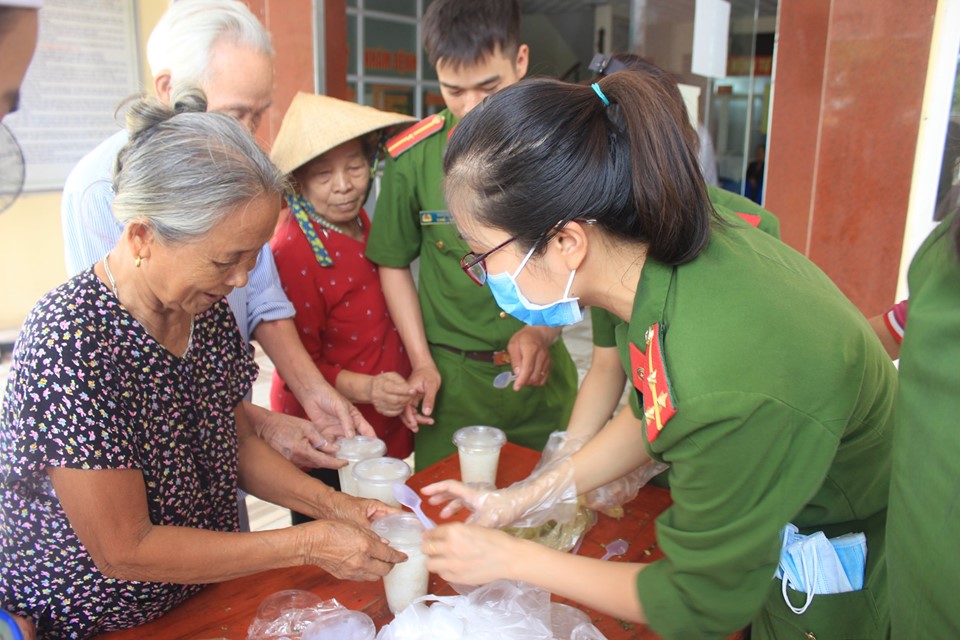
(596, 88)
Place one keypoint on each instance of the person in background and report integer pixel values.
(764, 422)
(922, 524)
(18, 39)
(457, 339)
(221, 47)
(754, 186)
(123, 438)
(328, 148)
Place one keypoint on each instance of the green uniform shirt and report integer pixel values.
(784, 401)
(411, 221)
(728, 205)
(924, 524)
(456, 312)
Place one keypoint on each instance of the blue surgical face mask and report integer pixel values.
(507, 293)
(813, 564)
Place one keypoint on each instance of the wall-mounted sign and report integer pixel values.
(85, 65)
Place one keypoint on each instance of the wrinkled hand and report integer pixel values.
(346, 550)
(465, 554)
(331, 412)
(529, 350)
(337, 505)
(300, 441)
(425, 381)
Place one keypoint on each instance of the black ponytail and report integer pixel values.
(544, 152)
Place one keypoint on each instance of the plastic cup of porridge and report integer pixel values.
(353, 450)
(375, 477)
(479, 449)
(407, 580)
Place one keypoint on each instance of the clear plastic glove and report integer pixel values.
(608, 498)
(559, 445)
(550, 495)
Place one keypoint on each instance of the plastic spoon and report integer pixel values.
(616, 547)
(503, 380)
(411, 499)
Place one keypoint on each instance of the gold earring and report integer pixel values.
(137, 262)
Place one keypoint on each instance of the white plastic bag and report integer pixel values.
(285, 615)
(501, 610)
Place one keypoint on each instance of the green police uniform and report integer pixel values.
(411, 221)
(924, 526)
(772, 400)
(733, 208)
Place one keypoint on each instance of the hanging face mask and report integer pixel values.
(506, 292)
(813, 564)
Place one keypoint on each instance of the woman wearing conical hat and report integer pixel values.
(328, 148)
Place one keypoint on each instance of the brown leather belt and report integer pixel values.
(499, 358)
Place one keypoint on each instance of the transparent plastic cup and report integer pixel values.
(353, 450)
(375, 477)
(479, 449)
(407, 580)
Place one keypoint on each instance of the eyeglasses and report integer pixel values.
(476, 266)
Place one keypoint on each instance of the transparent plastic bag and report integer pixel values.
(562, 536)
(501, 610)
(288, 615)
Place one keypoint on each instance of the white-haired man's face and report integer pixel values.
(18, 39)
(239, 83)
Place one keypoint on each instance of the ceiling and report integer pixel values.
(684, 8)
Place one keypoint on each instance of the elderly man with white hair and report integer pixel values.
(219, 46)
(18, 39)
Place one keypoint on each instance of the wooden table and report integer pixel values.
(225, 610)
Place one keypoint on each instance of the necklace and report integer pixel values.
(323, 222)
(113, 287)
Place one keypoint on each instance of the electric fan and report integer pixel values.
(11, 168)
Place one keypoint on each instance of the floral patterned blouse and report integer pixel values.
(89, 388)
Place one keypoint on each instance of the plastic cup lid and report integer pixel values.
(479, 438)
(382, 470)
(360, 447)
(401, 529)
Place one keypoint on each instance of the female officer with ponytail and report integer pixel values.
(754, 378)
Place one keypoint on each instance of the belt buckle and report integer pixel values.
(501, 358)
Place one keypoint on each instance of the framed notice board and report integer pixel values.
(87, 62)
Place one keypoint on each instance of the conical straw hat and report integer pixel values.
(315, 124)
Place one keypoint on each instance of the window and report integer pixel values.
(387, 67)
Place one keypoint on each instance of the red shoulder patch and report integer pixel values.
(649, 376)
(751, 219)
(414, 134)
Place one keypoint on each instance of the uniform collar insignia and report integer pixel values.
(649, 375)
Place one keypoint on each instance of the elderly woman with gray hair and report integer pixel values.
(123, 436)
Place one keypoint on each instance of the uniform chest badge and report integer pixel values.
(412, 135)
(649, 376)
